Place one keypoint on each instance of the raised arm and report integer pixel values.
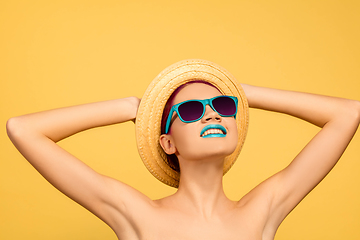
(338, 118)
(35, 136)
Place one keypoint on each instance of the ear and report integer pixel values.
(167, 144)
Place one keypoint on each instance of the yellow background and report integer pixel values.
(62, 53)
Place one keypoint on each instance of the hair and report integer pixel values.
(172, 159)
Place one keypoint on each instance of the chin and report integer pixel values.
(223, 147)
(218, 151)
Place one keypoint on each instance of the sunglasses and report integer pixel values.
(193, 110)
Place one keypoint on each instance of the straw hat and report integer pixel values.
(148, 119)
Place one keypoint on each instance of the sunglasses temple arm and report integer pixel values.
(168, 120)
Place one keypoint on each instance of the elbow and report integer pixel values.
(15, 127)
(11, 127)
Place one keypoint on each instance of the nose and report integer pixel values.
(210, 115)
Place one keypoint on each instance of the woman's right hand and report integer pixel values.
(136, 102)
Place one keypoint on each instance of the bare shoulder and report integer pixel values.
(133, 215)
(122, 207)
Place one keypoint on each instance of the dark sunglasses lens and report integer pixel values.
(224, 105)
(191, 111)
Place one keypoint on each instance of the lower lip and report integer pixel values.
(214, 135)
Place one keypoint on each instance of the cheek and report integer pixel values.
(184, 135)
(233, 139)
(187, 140)
(233, 131)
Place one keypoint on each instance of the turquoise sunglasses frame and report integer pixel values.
(204, 102)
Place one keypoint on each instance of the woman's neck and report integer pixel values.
(201, 188)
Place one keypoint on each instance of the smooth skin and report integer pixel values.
(199, 209)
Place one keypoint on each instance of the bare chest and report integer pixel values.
(165, 224)
(202, 229)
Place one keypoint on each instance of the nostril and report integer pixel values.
(215, 118)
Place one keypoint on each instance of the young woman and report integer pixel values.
(201, 144)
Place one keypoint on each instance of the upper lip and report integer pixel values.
(213, 126)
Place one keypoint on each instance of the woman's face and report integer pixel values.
(187, 138)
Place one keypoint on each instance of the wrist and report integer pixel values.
(133, 106)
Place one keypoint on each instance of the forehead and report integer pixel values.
(196, 91)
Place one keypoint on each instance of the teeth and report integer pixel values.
(212, 131)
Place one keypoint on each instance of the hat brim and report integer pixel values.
(149, 115)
